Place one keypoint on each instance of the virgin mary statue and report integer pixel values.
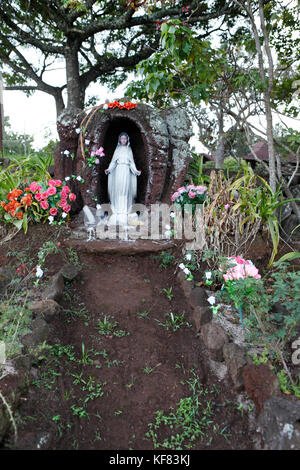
(122, 180)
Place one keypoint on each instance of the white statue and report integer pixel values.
(122, 180)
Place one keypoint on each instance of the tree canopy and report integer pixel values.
(97, 40)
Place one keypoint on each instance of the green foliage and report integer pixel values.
(15, 321)
(166, 259)
(186, 67)
(106, 327)
(286, 386)
(174, 321)
(190, 420)
(168, 293)
(258, 201)
(195, 171)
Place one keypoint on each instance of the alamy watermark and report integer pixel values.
(296, 353)
(157, 222)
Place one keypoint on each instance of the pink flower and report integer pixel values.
(44, 205)
(53, 211)
(66, 189)
(242, 269)
(67, 208)
(100, 152)
(38, 197)
(181, 189)
(58, 183)
(33, 187)
(192, 194)
(45, 195)
(201, 189)
(51, 183)
(62, 202)
(175, 196)
(51, 191)
(72, 197)
(227, 207)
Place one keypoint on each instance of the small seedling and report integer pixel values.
(174, 322)
(148, 369)
(168, 293)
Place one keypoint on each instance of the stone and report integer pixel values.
(186, 286)
(47, 309)
(260, 384)
(39, 333)
(159, 140)
(236, 359)
(13, 386)
(70, 271)
(198, 297)
(290, 228)
(7, 274)
(118, 246)
(54, 290)
(214, 338)
(201, 315)
(280, 424)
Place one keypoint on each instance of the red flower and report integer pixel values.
(53, 211)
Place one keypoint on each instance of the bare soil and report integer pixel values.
(101, 391)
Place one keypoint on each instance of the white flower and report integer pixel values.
(50, 218)
(133, 101)
(168, 233)
(168, 227)
(64, 215)
(67, 178)
(78, 130)
(211, 300)
(105, 106)
(66, 152)
(182, 266)
(97, 161)
(78, 178)
(39, 271)
(172, 215)
(208, 275)
(121, 103)
(87, 142)
(187, 271)
(98, 206)
(188, 257)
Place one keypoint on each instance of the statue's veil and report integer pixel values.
(128, 140)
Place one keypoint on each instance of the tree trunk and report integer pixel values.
(59, 102)
(219, 158)
(75, 91)
(270, 139)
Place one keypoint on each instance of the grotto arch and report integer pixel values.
(109, 139)
(159, 141)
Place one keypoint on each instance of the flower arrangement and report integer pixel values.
(121, 105)
(41, 201)
(189, 194)
(241, 281)
(52, 200)
(94, 158)
(16, 205)
(239, 268)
